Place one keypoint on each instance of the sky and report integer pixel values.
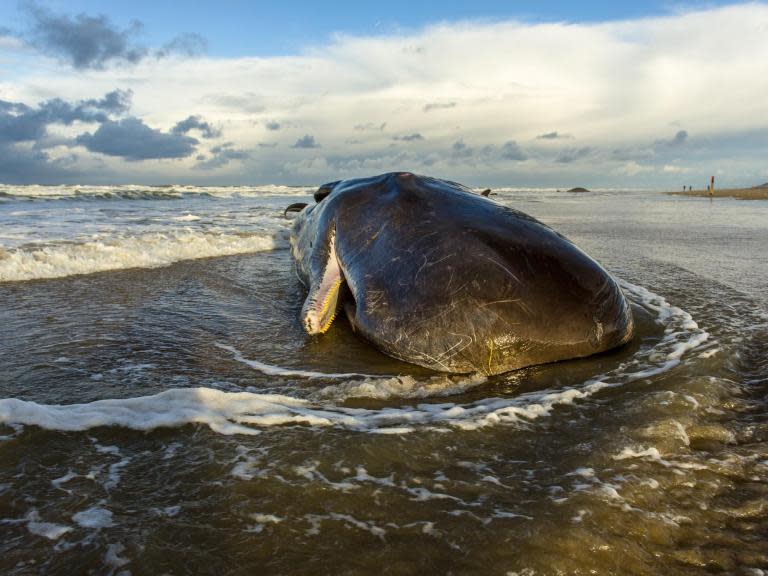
(541, 94)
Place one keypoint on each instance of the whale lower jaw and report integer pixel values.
(322, 303)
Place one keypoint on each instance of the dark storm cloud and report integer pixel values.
(553, 136)
(306, 141)
(512, 151)
(272, 125)
(196, 123)
(222, 155)
(86, 41)
(131, 139)
(570, 155)
(439, 106)
(22, 123)
(409, 137)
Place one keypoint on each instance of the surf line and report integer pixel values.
(271, 370)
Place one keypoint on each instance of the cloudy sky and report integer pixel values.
(557, 94)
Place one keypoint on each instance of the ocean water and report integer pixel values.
(162, 411)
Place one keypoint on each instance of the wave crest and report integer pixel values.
(148, 250)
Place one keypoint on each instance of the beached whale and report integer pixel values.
(434, 274)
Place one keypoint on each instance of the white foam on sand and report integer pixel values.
(112, 557)
(250, 413)
(94, 517)
(49, 530)
(148, 250)
(383, 388)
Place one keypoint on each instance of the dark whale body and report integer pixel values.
(433, 274)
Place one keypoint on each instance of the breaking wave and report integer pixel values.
(136, 192)
(148, 250)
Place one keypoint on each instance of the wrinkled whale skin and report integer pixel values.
(434, 274)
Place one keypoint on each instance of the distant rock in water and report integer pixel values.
(761, 185)
(578, 189)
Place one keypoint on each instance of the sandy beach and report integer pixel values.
(740, 193)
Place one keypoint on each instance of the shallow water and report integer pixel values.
(173, 417)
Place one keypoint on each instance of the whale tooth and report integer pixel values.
(325, 328)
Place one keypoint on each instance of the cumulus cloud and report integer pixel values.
(196, 123)
(511, 151)
(573, 154)
(23, 166)
(93, 42)
(26, 138)
(272, 125)
(84, 41)
(616, 85)
(186, 44)
(680, 138)
(221, 156)
(131, 139)
(460, 150)
(633, 168)
(115, 102)
(22, 123)
(674, 169)
(306, 141)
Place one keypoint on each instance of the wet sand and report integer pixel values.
(740, 193)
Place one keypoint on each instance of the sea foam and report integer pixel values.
(148, 250)
(250, 413)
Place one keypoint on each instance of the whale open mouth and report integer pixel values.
(322, 303)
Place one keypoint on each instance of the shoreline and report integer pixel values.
(739, 193)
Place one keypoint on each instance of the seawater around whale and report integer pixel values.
(434, 274)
